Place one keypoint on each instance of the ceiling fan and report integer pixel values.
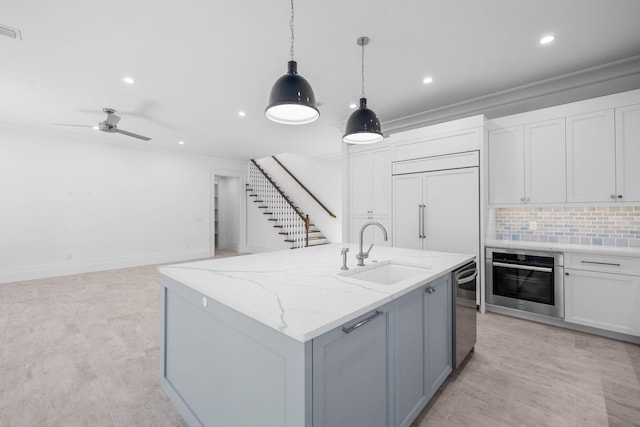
(111, 125)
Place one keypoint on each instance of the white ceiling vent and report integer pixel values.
(10, 32)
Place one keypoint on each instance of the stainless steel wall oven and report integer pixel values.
(526, 280)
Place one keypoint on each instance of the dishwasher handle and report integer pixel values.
(462, 277)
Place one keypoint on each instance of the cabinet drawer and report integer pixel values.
(603, 263)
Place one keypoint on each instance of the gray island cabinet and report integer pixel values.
(249, 342)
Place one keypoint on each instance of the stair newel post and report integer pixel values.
(306, 227)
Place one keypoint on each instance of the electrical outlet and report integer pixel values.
(533, 225)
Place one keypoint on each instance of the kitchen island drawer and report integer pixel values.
(603, 263)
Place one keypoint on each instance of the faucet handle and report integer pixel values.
(368, 250)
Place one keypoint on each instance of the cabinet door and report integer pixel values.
(380, 182)
(628, 153)
(360, 188)
(602, 300)
(591, 157)
(506, 165)
(452, 212)
(439, 318)
(350, 383)
(407, 211)
(545, 166)
(411, 391)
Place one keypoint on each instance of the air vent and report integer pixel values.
(10, 32)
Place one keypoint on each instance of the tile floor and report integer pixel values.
(83, 351)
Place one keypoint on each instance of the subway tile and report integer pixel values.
(622, 243)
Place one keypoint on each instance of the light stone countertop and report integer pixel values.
(301, 292)
(563, 247)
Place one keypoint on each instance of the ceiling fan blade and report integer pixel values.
(135, 135)
(112, 119)
(78, 126)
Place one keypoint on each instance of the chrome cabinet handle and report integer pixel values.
(424, 232)
(619, 196)
(613, 196)
(362, 322)
(419, 221)
(613, 264)
(430, 289)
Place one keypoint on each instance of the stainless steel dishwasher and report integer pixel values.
(465, 285)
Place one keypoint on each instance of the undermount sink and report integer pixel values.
(387, 273)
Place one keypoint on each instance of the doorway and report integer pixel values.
(225, 214)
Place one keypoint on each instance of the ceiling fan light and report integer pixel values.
(292, 101)
(363, 126)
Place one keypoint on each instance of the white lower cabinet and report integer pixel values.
(603, 300)
(382, 368)
(603, 292)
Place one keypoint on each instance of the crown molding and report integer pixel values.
(606, 79)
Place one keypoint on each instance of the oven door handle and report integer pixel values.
(523, 267)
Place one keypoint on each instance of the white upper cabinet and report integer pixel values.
(591, 157)
(370, 182)
(544, 162)
(506, 165)
(370, 194)
(527, 163)
(628, 153)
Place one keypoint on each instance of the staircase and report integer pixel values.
(289, 221)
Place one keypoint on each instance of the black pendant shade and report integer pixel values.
(292, 100)
(363, 126)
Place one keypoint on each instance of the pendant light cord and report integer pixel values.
(291, 27)
(363, 96)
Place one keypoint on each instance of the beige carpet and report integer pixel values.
(83, 351)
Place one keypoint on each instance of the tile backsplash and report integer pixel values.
(602, 226)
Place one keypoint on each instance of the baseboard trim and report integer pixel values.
(41, 271)
(560, 323)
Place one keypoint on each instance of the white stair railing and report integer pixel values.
(293, 222)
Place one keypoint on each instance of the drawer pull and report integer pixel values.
(613, 264)
(362, 323)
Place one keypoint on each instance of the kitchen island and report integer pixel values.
(288, 339)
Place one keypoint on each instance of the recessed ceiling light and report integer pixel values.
(96, 127)
(181, 142)
(242, 113)
(128, 80)
(427, 80)
(547, 39)
(352, 106)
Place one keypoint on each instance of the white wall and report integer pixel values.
(71, 206)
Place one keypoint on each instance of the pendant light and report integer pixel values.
(292, 101)
(363, 126)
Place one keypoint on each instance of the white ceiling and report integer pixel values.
(196, 63)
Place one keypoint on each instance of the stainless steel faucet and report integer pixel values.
(360, 256)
